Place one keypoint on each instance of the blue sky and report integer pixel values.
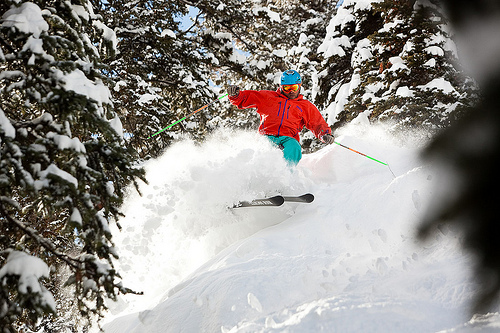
(186, 22)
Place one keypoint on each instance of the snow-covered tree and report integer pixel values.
(395, 61)
(162, 70)
(63, 168)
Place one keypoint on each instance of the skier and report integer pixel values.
(283, 114)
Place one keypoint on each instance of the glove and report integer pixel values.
(328, 139)
(233, 91)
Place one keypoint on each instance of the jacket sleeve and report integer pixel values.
(316, 123)
(247, 99)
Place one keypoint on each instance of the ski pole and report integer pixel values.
(371, 158)
(189, 115)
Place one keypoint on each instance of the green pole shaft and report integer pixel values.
(189, 115)
(371, 158)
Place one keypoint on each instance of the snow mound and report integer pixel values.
(183, 219)
(348, 262)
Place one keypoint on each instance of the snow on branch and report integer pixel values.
(30, 270)
(6, 126)
(26, 18)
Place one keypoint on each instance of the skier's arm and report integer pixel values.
(246, 99)
(316, 123)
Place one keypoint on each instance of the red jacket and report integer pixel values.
(281, 116)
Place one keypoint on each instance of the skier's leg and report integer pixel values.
(292, 150)
(276, 140)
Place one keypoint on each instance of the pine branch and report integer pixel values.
(249, 47)
(33, 234)
(195, 23)
(7, 45)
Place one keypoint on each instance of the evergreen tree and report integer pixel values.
(162, 70)
(63, 168)
(346, 35)
(430, 89)
(404, 65)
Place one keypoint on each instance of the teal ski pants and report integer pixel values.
(292, 151)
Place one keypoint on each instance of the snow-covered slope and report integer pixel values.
(348, 262)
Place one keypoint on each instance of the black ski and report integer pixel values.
(273, 201)
(276, 201)
(305, 198)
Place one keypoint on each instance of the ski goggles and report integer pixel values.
(290, 87)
